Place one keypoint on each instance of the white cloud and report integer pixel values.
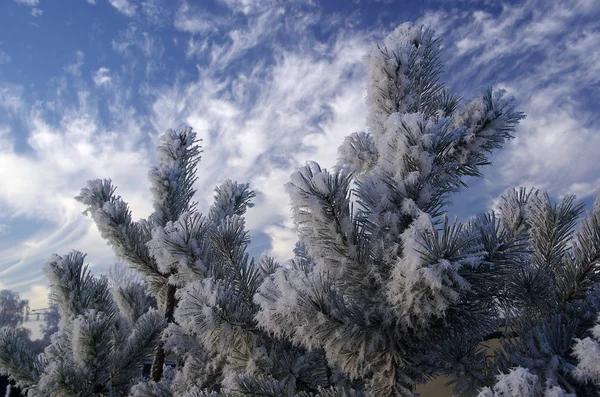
(36, 12)
(75, 67)
(126, 39)
(64, 157)
(548, 153)
(249, 6)
(124, 7)
(30, 3)
(134, 39)
(102, 77)
(245, 38)
(156, 13)
(195, 20)
(37, 296)
(68, 144)
(196, 48)
(91, 1)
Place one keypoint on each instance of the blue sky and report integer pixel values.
(86, 87)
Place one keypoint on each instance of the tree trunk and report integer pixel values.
(159, 356)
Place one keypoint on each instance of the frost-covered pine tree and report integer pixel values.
(215, 333)
(551, 336)
(197, 268)
(97, 351)
(395, 293)
(172, 182)
(384, 291)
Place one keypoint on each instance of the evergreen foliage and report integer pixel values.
(396, 293)
(384, 292)
(96, 351)
(172, 189)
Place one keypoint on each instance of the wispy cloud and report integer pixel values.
(6, 145)
(30, 3)
(260, 123)
(102, 77)
(67, 144)
(196, 48)
(10, 98)
(192, 19)
(75, 67)
(250, 7)
(258, 29)
(156, 13)
(125, 7)
(135, 41)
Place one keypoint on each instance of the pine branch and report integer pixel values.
(358, 152)
(514, 210)
(322, 214)
(17, 361)
(74, 288)
(140, 345)
(404, 75)
(172, 180)
(231, 198)
(476, 129)
(184, 245)
(132, 300)
(113, 219)
(93, 346)
(585, 259)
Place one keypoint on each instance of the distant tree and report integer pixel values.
(12, 309)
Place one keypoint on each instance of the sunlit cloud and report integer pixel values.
(38, 186)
